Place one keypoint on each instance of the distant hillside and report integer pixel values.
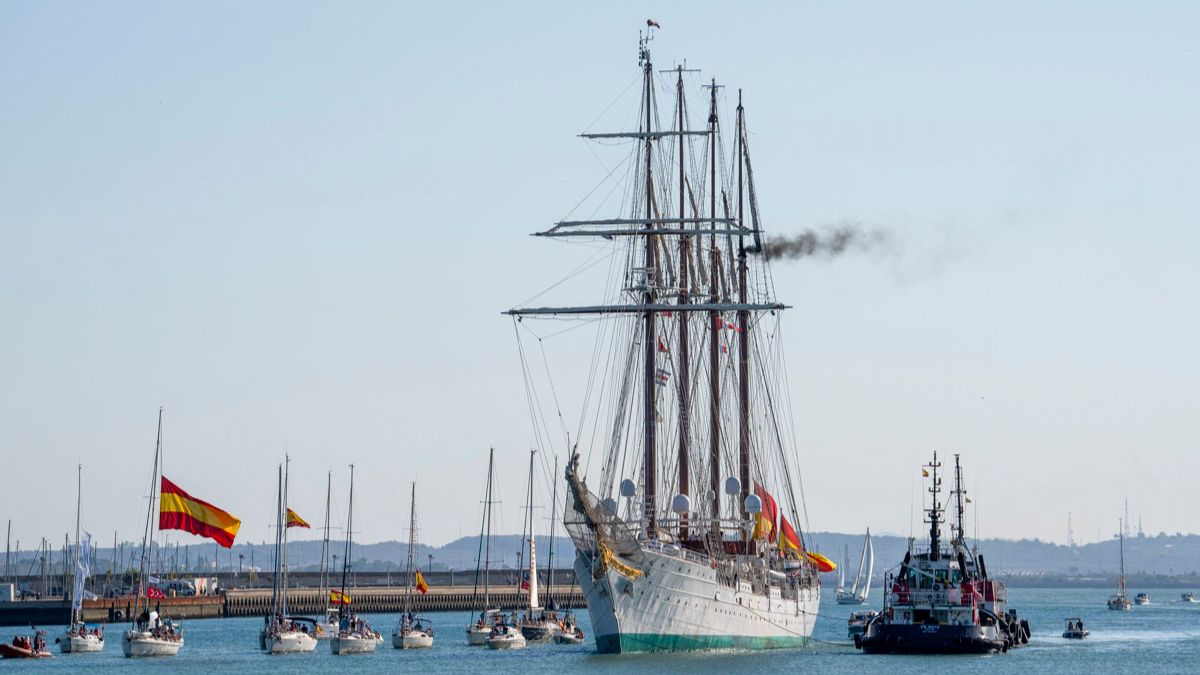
(1174, 555)
(1159, 555)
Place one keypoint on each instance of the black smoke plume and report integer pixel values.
(830, 242)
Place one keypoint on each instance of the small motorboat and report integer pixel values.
(1187, 597)
(1141, 599)
(1075, 629)
(25, 647)
(505, 636)
(857, 625)
(569, 632)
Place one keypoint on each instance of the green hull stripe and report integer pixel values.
(651, 642)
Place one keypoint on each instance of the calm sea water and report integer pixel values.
(1159, 638)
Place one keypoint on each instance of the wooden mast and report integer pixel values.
(714, 366)
(649, 347)
(684, 379)
(743, 325)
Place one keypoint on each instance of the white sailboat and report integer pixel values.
(862, 585)
(282, 633)
(479, 630)
(412, 632)
(355, 635)
(78, 638)
(687, 377)
(150, 634)
(1120, 601)
(539, 624)
(327, 627)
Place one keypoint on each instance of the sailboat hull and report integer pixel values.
(478, 636)
(289, 642)
(678, 605)
(140, 644)
(353, 644)
(80, 644)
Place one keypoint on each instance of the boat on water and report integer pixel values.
(569, 631)
(857, 623)
(701, 552)
(77, 638)
(858, 594)
(506, 635)
(1120, 600)
(1075, 629)
(413, 632)
(942, 601)
(479, 630)
(354, 634)
(282, 633)
(150, 634)
(537, 624)
(1141, 599)
(1187, 597)
(25, 647)
(327, 626)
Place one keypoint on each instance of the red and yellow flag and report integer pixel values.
(177, 510)
(338, 598)
(294, 520)
(823, 564)
(764, 521)
(789, 542)
(420, 583)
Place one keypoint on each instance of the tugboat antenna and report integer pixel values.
(935, 529)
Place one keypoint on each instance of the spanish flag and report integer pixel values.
(764, 521)
(788, 541)
(420, 583)
(294, 520)
(924, 473)
(338, 598)
(823, 564)
(177, 510)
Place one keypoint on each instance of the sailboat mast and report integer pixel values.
(649, 347)
(78, 511)
(283, 584)
(349, 536)
(148, 532)
(743, 322)
(532, 566)
(1121, 579)
(714, 366)
(412, 538)
(325, 541)
(275, 576)
(685, 368)
(487, 546)
(553, 513)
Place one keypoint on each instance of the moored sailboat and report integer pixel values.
(538, 624)
(413, 632)
(78, 638)
(354, 635)
(479, 630)
(282, 633)
(718, 565)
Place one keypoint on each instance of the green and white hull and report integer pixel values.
(678, 604)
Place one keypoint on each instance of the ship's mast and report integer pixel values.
(325, 542)
(649, 347)
(412, 541)
(714, 366)
(935, 525)
(1121, 579)
(743, 323)
(960, 537)
(684, 380)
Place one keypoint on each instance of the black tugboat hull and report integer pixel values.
(921, 639)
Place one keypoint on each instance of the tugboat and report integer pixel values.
(941, 601)
(1075, 629)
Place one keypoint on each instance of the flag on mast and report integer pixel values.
(178, 510)
(420, 583)
(294, 520)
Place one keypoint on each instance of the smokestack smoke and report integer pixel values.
(830, 242)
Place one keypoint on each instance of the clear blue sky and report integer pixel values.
(294, 224)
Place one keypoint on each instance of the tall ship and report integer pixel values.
(686, 533)
(942, 601)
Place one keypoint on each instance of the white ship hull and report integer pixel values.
(477, 637)
(290, 642)
(80, 644)
(677, 605)
(352, 644)
(138, 644)
(414, 639)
